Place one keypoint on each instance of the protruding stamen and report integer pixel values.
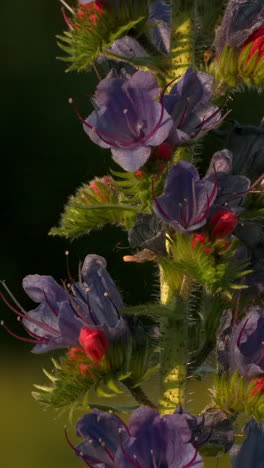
(42, 325)
(67, 6)
(66, 19)
(71, 279)
(3, 283)
(22, 338)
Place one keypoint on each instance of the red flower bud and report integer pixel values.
(75, 352)
(139, 173)
(94, 343)
(201, 239)
(198, 239)
(223, 224)
(165, 151)
(259, 386)
(257, 40)
(94, 8)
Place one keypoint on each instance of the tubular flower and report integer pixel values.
(188, 104)
(128, 119)
(241, 19)
(62, 316)
(246, 350)
(149, 441)
(187, 199)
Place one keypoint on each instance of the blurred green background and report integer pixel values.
(45, 157)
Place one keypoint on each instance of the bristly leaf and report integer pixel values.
(92, 206)
(90, 38)
(126, 364)
(234, 394)
(218, 274)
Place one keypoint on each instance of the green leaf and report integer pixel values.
(88, 40)
(87, 210)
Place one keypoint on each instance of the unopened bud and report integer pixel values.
(94, 343)
(223, 224)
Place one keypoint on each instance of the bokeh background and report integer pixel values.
(45, 156)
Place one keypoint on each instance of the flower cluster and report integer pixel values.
(148, 440)
(86, 314)
(132, 115)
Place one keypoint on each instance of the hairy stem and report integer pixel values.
(138, 394)
(182, 53)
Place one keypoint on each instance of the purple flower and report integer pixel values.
(149, 441)
(160, 33)
(58, 319)
(251, 453)
(188, 104)
(187, 199)
(241, 19)
(246, 349)
(128, 119)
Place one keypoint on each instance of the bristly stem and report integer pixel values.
(182, 53)
(174, 329)
(139, 395)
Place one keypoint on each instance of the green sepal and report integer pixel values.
(225, 67)
(127, 363)
(234, 394)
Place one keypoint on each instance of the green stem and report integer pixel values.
(173, 329)
(139, 395)
(182, 53)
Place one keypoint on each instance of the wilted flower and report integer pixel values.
(62, 317)
(246, 350)
(187, 199)
(148, 440)
(149, 232)
(246, 142)
(231, 189)
(251, 453)
(189, 105)
(128, 119)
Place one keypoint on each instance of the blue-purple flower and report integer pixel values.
(241, 19)
(189, 105)
(61, 315)
(128, 118)
(187, 199)
(148, 441)
(160, 32)
(246, 349)
(251, 453)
